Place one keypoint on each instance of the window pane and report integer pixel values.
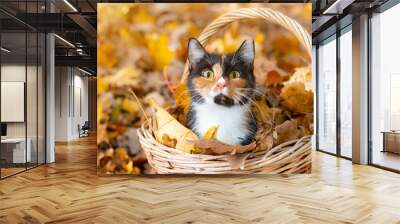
(327, 97)
(385, 89)
(346, 94)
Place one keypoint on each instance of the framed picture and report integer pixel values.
(204, 88)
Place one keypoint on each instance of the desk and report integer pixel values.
(15, 148)
(391, 141)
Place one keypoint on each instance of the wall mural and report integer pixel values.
(204, 88)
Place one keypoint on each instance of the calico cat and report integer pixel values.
(221, 89)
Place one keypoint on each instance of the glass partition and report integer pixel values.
(13, 94)
(22, 78)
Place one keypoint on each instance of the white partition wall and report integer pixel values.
(71, 102)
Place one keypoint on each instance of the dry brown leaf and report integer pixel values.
(167, 141)
(306, 123)
(263, 66)
(167, 124)
(274, 78)
(287, 131)
(303, 75)
(215, 147)
(261, 110)
(296, 98)
(264, 140)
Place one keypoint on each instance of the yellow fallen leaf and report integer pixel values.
(168, 125)
(128, 76)
(172, 25)
(106, 56)
(158, 50)
(121, 154)
(101, 86)
(142, 16)
(99, 112)
(211, 132)
(134, 38)
(129, 105)
(127, 167)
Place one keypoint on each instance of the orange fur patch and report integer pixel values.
(203, 85)
(233, 84)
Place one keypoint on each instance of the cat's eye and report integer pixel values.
(207, 74)
(234, 75)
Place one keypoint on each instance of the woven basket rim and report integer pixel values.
(147, 123)
(162, 157)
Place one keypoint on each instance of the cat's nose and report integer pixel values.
(220, 85)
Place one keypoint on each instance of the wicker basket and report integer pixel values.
(290, 157)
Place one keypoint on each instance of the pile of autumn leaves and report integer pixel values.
(141, 57)
(283, 110)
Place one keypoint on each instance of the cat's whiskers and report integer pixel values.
(261, 92)
(246, 108)
(249, 99)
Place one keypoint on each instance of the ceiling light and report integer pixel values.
(5, 50)
(337, 7)
(65, 41)
(70, 5)
(84, 71)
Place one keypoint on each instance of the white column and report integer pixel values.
(50, 99)
(360, 90)
(50, 92)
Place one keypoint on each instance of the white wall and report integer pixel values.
(71, 93)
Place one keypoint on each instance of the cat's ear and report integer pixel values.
(196, 52)
(246, 51)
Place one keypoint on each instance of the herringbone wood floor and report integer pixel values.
(70, 192)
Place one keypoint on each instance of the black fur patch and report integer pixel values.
(223, 100)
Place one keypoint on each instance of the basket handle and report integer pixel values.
(254, 13)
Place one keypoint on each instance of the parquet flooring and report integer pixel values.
(69, 191)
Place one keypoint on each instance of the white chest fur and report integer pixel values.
(231, 121)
